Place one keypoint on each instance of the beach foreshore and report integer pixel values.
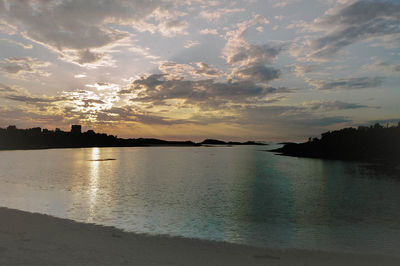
(37, 239)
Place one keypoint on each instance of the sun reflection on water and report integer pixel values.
(93, 183)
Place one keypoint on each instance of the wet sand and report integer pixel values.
(36, 239)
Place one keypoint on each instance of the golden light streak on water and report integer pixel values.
(93, 183)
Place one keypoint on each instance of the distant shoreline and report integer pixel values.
(37, 239)
(138, 146)
(12, 138)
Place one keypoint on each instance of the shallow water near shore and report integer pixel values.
(235, 194)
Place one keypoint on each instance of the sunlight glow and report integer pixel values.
(93, 185)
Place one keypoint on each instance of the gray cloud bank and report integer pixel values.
(359, 21)
(74, 28)
(351, 83)
(158, 89)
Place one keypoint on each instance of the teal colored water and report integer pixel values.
(235, 194)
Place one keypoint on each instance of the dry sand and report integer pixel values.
(36, 239)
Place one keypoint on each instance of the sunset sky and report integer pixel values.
(190, 69)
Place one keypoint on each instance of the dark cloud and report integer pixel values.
(364, 11)
(124, 91)
(262, 54)
(26, 118)
(23, 65)
(356, 22)
(206, 70)
(333, 105)
(33, 100)
(157, 89)
(282, 116)
(77, 25)
(251, 61)
(13, 69)
(86, 56)
(5, 88)
(257, 72)
(151, 119)
(352, 83)
(385, 67)
(129, 114)
(91, 102)
(176, 23)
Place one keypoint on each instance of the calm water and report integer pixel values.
(234, 194)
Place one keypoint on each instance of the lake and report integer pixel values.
(238, 194)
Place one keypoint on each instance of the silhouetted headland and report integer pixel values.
(364, 143)
(13, 138)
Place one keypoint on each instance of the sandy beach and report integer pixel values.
(36, 239)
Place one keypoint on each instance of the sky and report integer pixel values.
(192, 69)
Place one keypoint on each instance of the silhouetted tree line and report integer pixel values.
(374, 142)
(36, 138)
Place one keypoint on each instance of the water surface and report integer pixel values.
(236, 194)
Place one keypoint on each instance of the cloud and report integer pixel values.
(173, 27)
(332, 105)
(22, 66)
(77, 105)
(158, 89)
(348, 84)
(79, 76)
(176, 70)
(23, 45)
(264, 54)
(33, 100)
(18, 94)
(216, 14)
(208, 31)
(250, 59)
(205, 70)
(5, 27)
(257, 73)
(151, 119)
(284, 3)
(5, 88)
(144, 51)
(86, 56)
(78, 30)
(232, 104)
(194, 70)
(301, 70)
(190, 44)
(236, 41)
(356, 22)
(130, 114)
(383, 68)
(25, 117)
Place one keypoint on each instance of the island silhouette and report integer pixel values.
(363, 143)
(12, 138)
